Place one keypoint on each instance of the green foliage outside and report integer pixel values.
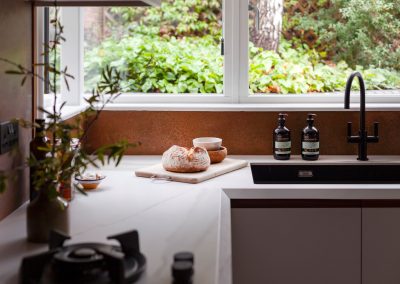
(175, 18)
(301, 70)
(153, 64)
(176, 49)
(359, 32)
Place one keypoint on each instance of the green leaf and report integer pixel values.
(80, 188)
(3, 182)
(15, 72)
(23, 80)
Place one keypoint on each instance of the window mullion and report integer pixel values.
(236, 49)
(230, 50)
(72, 54)
(40, 86)
(243, 51)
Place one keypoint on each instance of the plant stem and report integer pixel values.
(89, 125)
(53, 148)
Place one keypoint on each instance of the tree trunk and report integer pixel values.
(94, 25)
(270, 25)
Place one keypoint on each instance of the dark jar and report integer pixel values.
(37, 148)
(46, 213)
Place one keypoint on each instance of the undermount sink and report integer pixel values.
(361, 173)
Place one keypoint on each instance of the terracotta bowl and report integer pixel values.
(88, 184)
(219, 155)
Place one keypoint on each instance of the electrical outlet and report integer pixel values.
(8, 136)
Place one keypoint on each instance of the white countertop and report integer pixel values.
(172, 217)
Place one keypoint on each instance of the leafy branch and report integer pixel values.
(64, 155)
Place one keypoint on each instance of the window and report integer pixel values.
(310, 47)
(68, 54)
(233, 51)
(165, 53)
(164, 50)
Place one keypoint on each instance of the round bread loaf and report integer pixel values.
(184, 160)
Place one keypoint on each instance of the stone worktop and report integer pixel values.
(172, 217)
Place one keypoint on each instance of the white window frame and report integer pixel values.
(72, 56)
(72, 53)
(236, 61)
(330, 99)
(40, 100)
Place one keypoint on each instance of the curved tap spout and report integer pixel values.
(362, 139)
(348, 89)
(362, 97)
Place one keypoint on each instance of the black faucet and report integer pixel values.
(362, 139)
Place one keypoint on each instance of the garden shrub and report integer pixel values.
(174, 18)
(154, 64)
(175, 48)
(365, 33)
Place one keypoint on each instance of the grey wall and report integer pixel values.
(15, 101)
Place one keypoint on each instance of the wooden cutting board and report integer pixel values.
(226, 166)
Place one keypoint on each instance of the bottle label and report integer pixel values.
(310, 148)
(65, 190)
(282, 148)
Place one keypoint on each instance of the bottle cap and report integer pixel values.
(311, 116)
(40, 123)
(282, 116)
(184, 256)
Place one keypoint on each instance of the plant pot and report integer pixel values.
(45, 214)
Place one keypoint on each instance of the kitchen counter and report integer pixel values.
(172, 217)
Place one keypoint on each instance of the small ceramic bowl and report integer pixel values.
(218, 156)
(89, 184)
(209, 143)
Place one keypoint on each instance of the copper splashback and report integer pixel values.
(243, 133)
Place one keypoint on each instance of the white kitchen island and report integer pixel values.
(173, 217)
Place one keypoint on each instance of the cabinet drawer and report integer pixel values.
(296, 245)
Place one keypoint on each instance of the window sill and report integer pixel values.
(377, 100)
(71, 111)
(382, 101)
(68, 112)
(255, 107)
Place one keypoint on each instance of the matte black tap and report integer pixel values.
(362, 139)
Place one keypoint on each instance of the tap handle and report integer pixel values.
(376, 129)
(349, 130)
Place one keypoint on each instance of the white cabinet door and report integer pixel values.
(296, 245)
(381, 245)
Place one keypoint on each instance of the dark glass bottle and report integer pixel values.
(182, 268)
(310, 140)
(282, 143)
(36, 146)
(182, 272)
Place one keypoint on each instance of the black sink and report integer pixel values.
(264, 173)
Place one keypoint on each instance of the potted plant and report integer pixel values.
(61, 159)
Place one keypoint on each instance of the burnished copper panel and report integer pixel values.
(243, 133)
